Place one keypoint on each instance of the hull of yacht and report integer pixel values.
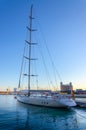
(46, 101)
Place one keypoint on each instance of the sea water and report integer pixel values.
(17, 116)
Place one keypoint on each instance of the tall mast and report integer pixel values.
(30, 43)
(30, 47)
(29, 58)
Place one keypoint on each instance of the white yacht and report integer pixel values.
(54, 101)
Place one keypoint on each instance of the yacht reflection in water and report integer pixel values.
(40, 118)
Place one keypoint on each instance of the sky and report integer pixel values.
(62, 24)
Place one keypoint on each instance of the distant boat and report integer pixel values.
(47, 100)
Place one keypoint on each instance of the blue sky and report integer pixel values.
(63, 27)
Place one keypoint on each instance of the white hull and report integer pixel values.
(47, 101)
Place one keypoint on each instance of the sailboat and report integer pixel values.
(46, 100)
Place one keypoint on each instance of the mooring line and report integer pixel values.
(78, 113)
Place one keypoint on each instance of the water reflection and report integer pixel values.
(18, 116)
(40, 118)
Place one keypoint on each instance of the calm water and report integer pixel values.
(17, 116)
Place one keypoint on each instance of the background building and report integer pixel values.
(66, 87)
